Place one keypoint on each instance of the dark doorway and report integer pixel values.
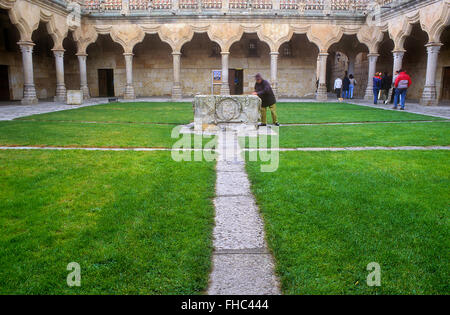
(105, 82)
(236, 81)
(446, 84)
(4, 84)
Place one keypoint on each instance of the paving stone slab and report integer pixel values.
(243, 274)
(238, 224)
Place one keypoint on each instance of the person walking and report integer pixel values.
(345, 87)
(338, 87)
(264, 91)
(393, 86)
(386, 83)
(376, 87)
(402, 83)
(352, 85)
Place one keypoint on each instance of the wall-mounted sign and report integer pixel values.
(217, 76)
(216, 79)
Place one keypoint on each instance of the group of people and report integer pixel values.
(382, 85)
(345, 87)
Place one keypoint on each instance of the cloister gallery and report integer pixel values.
(139, 48)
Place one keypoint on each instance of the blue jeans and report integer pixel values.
(402, 94)
(345, 93)
(352, 87)
(375, 95)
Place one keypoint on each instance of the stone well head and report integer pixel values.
(211, 111)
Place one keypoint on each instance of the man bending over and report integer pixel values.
(265, 93)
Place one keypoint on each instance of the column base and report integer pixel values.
(176, 92)
(61, 93)
(225, 89)
(322, 94)
(85, 90)
(369, 94)
(129, 93)
(29, 101)
(29, 95)
(429, 96)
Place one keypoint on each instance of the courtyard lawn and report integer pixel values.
(328, 215)
(167, 112)
(73, 134)
(338, 112)
(136, 222)
(382, 134)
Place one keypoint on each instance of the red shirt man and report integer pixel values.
(403, 81)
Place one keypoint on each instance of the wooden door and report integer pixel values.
(4, 84)
(231, 76)
(106, 82)
(446, 84)
(102, 83)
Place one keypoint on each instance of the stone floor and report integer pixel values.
(12, 110)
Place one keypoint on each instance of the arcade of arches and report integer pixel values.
(42, 56)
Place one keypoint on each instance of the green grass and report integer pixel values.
(339, 112)
(136, 222)
(173, 113)
(401, 134)
(328, 215)
(75, 134)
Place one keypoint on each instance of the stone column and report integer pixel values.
(429, 96)
(129, 89)
(273, 71)
(372, 68)
(322, 90)
(83, 75)
(29, 91)
(176, 86)
(398, 60)
(225, 88)
(60, 85)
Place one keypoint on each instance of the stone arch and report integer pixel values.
(225, 34)
(274, 35)
(26, 17)
(324, 35)
(152, 65)
(371, 37)
(127, 35)
(433, 20)
(241, 58)
(105, 53)
(84, 36)
(176, 35)
(56, 27)
(400, 27)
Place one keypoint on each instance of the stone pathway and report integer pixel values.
(16, 110)
(411, 107)
(242, 263)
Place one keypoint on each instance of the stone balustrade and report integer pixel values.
(326, 6)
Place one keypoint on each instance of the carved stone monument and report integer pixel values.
(211, 111)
